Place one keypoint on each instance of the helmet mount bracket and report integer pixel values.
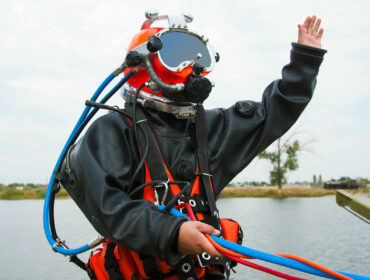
(174, 21)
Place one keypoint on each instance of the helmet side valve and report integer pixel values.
(133, 59)
(154, 44)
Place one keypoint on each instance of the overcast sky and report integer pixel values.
(54, 54)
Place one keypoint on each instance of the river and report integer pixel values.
(313, 228)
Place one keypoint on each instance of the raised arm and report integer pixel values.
(240, 133)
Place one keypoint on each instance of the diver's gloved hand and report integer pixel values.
(310, 33)
(192, 240)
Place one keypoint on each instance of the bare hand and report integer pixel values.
(310, 33)
(192, 240)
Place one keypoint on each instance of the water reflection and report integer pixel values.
(314, 228)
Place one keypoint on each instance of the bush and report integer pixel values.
(11, 194)
(40, 193)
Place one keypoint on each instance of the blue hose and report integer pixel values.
(80, 121)
(93, 98)
(269, 257)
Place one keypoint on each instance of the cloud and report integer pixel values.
(54, 54)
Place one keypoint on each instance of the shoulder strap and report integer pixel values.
(154, 159)
(201, 133)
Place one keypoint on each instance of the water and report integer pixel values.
(313, 228)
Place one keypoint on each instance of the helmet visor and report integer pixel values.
(180, 48)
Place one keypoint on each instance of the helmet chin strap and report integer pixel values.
(181, 110)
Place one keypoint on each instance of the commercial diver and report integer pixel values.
(164, 149)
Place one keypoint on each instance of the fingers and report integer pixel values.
(205, 228)
(192, 240)
(306, 23)
(310, 33)
(317, 26)
(312, 22)
(311, 25)
(209, 248)
(206, 245)
(321, 32)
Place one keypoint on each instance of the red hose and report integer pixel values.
(188, 207)
(264, 269)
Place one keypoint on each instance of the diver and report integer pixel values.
(164, 148)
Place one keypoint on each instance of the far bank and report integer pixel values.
(274, 192)
(228, 192)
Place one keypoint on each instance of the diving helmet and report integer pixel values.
(175, 61)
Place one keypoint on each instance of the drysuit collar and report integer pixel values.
(180, 110)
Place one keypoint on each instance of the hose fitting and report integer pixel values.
(173, 88)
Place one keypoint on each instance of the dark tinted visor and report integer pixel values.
(179, 47)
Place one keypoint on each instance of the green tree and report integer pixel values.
(283, 159)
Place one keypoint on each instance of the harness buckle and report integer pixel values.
(199, 258)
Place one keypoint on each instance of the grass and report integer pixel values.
(14, 194)
(283, 193)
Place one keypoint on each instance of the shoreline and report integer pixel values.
(274, 192)
(14, 194)
(228, 192)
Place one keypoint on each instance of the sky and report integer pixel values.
(54, 54)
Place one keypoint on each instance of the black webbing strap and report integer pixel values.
(157, 171)
(151, 267)
(110, 263)
(197, 204)
(77, 261)
(154, 159)
(186, 269)
(201, 133)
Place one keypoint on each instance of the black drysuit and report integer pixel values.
(104, 160)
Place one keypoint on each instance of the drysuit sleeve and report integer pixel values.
(101, 165)
(238, 134)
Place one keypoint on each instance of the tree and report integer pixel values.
(283, 159)
(314, 180)
(320, 181)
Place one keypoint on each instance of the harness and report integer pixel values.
(117, 263)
